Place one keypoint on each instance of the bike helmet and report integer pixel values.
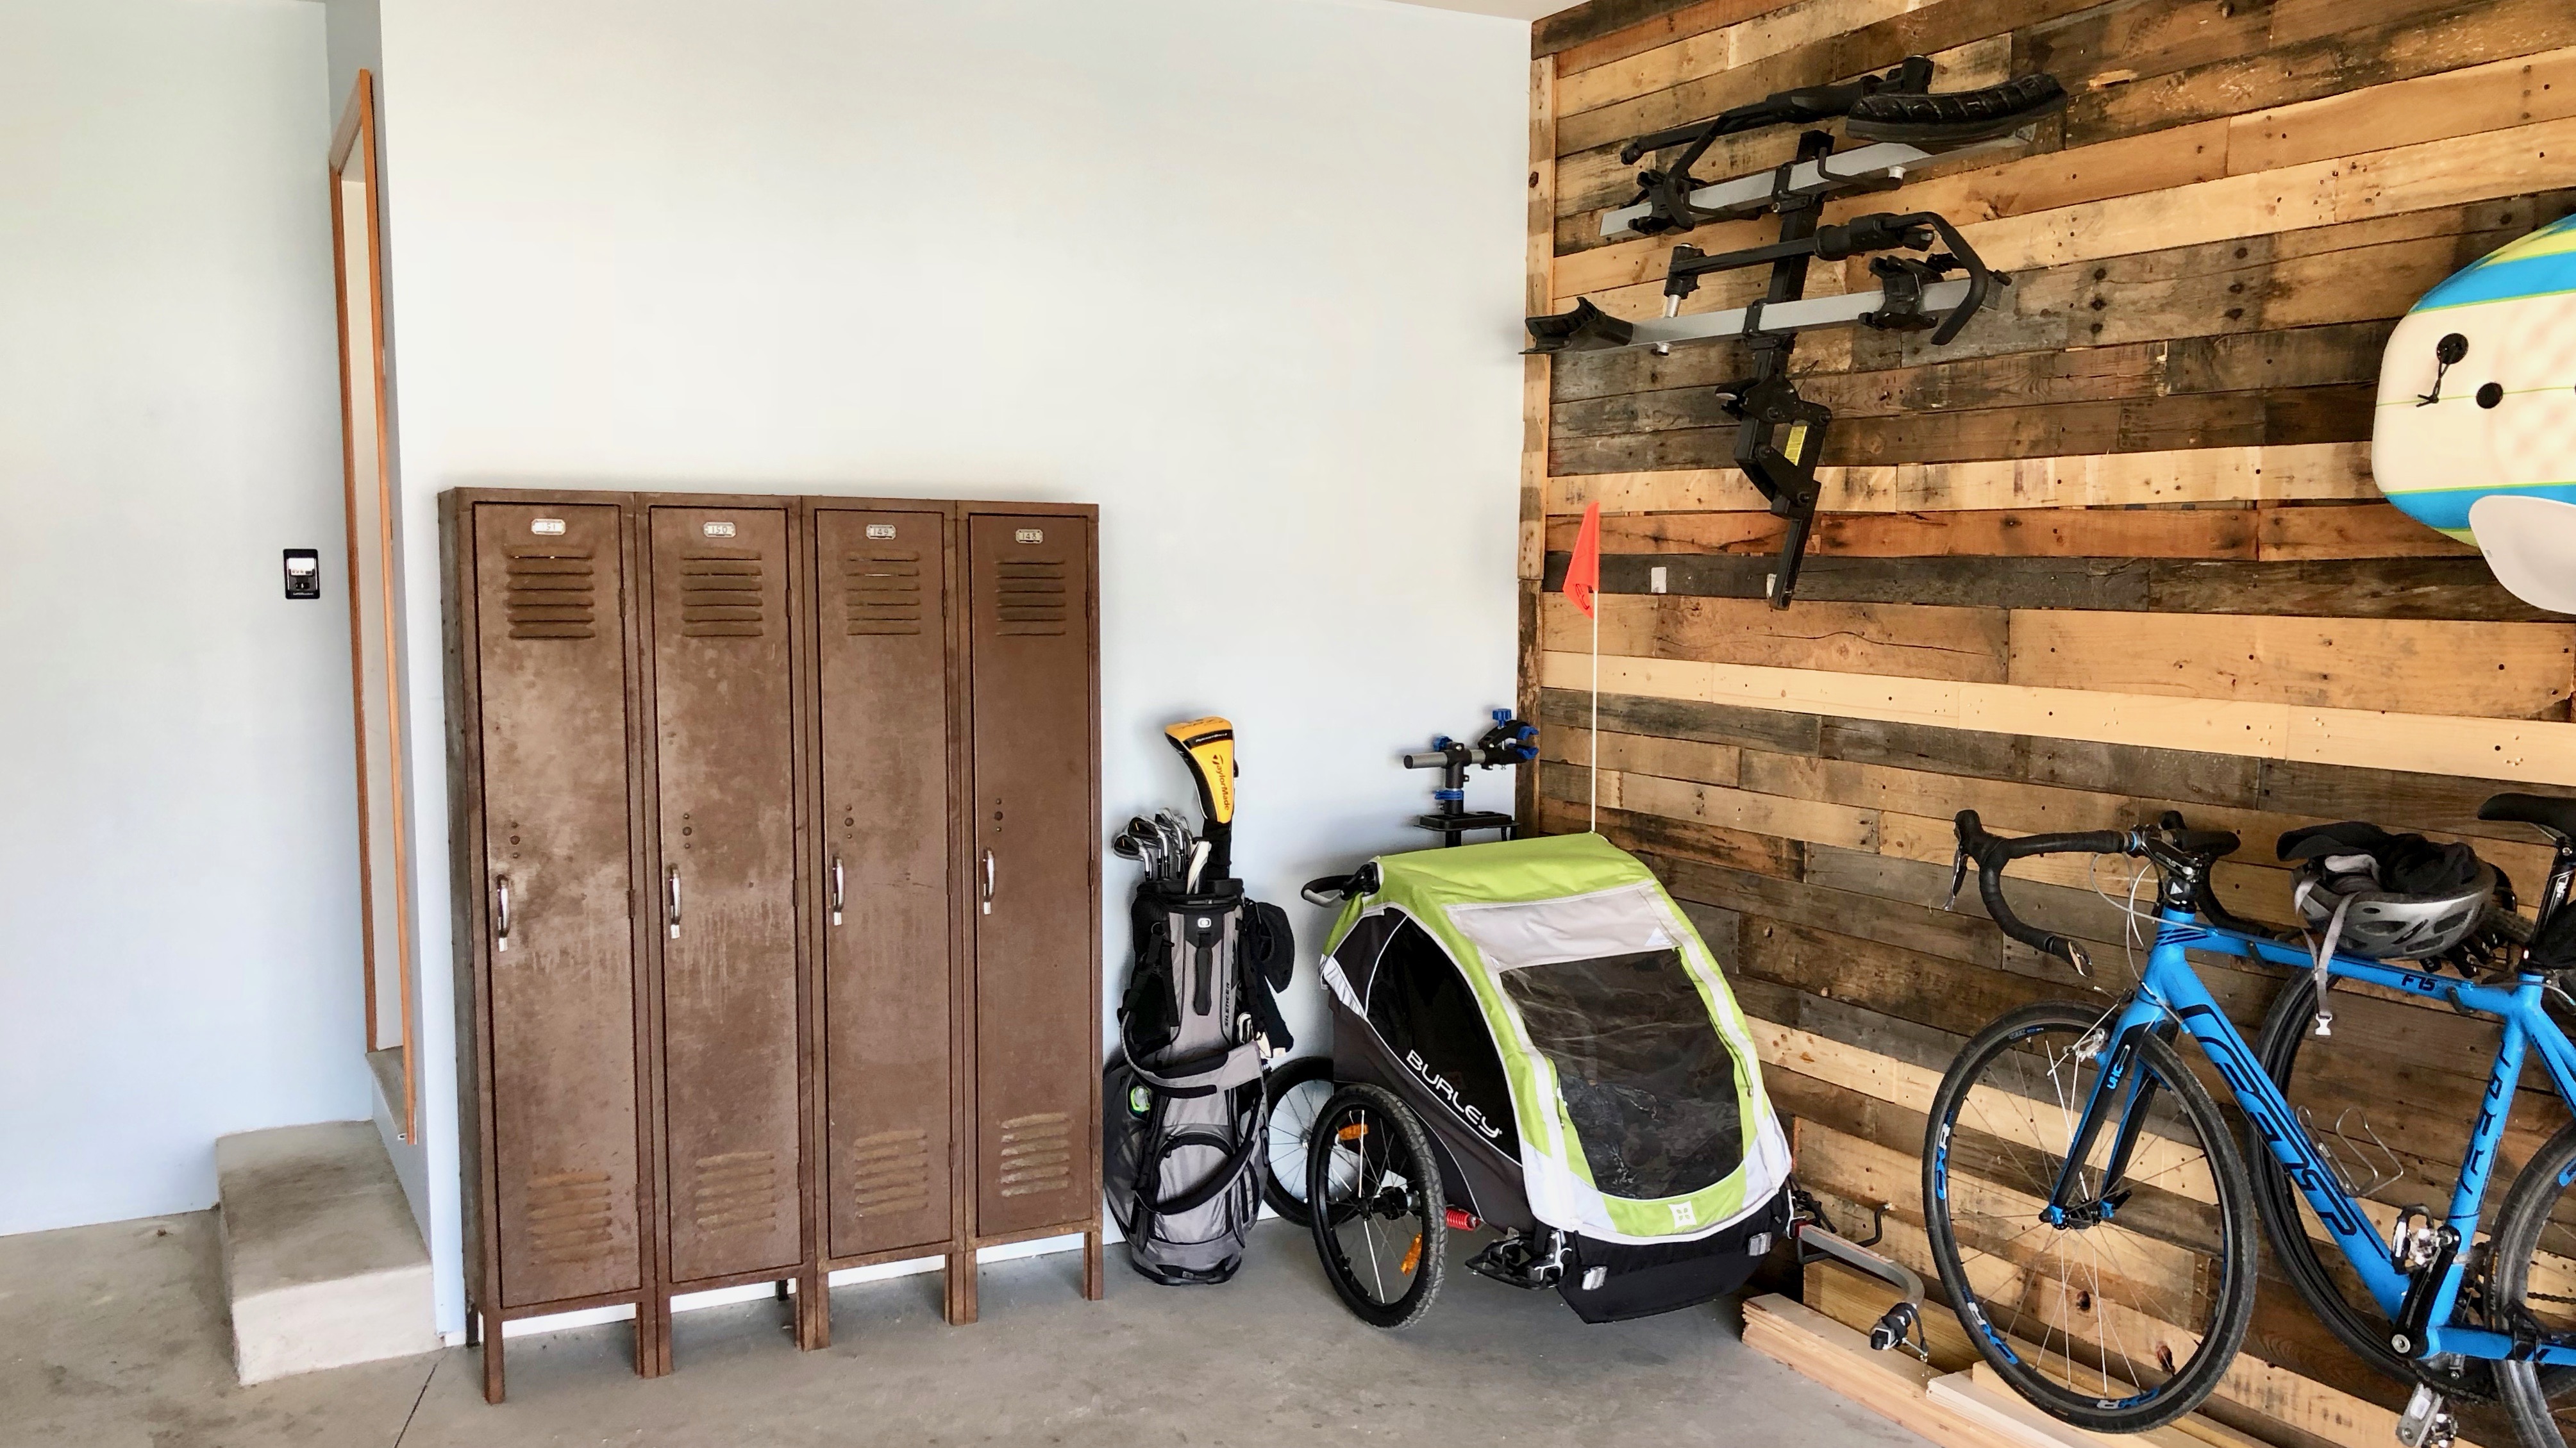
(2384, 896)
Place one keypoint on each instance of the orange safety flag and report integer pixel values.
(1583, 575)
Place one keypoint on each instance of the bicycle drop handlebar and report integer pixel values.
(2169, 845)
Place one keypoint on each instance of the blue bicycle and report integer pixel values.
(2094, 1222)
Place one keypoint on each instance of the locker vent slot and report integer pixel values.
(1031, 596)
(720, 594)
(1037, 1154)
(568, 1216)
(548, 592)
(737, 1190)
(891, 1173)
(882, 591)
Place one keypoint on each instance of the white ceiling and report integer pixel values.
(1510, 9)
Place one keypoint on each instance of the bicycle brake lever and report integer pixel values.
(1958, 875)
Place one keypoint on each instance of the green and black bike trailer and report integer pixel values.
(1588, 1084)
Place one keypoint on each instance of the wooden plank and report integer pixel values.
(1598, 20)
(2400, 588)
(2461, 102)
(2353, 530)
(2344, 354)
(2213, 533)
(1891, 1385)
(1671, 23)
(2539, 752)
(2429, 174)
(1949, 935)
(2193, 475)
(2339, 58)
(2424, 801)
(1539, 285)
(1684, 719)
(1731, 809)
(2352, 272)
(1561, 812)
(1932, 29)
(2285, 417)
(2189, 778)
(2015, 379)
(1721, 48)
(1642, 754)
(2490, 670)
(1916, 641)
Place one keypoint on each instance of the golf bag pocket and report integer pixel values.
(1183, 1102)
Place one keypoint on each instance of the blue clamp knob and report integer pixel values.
(1440, 741)
(1502, 716)
(1449, 794)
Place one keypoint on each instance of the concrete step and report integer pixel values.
(323, 1263)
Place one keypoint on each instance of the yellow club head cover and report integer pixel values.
(1208, 745)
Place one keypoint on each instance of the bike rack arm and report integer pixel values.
(1894, 1326)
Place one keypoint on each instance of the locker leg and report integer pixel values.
(491, 1335)
(813, 1309)
(652, 1335)
(1093, 1286)
(961, 1287)
(473, 1326)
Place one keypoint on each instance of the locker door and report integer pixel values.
(725, 866)
(1037, 1041)
(881, 579)
(550, 656)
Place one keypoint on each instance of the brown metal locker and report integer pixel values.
(1033, 732)
(885, 844)
(544, 803)
(723, 871)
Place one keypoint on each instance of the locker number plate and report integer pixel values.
(546, 527)
(719, 529)
(880, 530)
(1030, 535)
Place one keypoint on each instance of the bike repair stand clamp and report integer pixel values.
(1510, 741)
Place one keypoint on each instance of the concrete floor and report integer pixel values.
(114, 1335)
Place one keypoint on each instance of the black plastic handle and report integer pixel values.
(1981, 282)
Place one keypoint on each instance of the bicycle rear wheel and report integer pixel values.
(2121, 1314)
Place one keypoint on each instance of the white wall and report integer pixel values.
(178, 921)
(1243, 272)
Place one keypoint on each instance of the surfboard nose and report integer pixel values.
(2531, 545)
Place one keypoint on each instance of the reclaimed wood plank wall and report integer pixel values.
(2114, 551)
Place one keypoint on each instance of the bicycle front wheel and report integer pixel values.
(2120, 1311)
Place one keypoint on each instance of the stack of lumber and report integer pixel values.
(2113, 552)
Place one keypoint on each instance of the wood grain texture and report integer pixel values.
(2143, 477)
(2423, 588)
(2536, 751)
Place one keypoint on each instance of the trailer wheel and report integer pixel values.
(1379, 1215)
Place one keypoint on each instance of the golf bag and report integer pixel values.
(1184, 1103)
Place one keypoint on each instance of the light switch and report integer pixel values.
(1656, 580)
(303, 573)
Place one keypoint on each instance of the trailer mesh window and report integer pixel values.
(1650, 1088)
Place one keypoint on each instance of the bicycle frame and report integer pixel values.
(2171, 991)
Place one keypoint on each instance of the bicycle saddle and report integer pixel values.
(2558, 816)
(1954, 118)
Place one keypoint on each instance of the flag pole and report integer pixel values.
(1595, 791)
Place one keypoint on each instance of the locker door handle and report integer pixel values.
(501, 936)
(671, 880)
(988, 882)
(836, 887)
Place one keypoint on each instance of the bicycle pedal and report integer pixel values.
(2427, 1421)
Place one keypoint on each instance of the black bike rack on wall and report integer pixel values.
(1781, 434)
